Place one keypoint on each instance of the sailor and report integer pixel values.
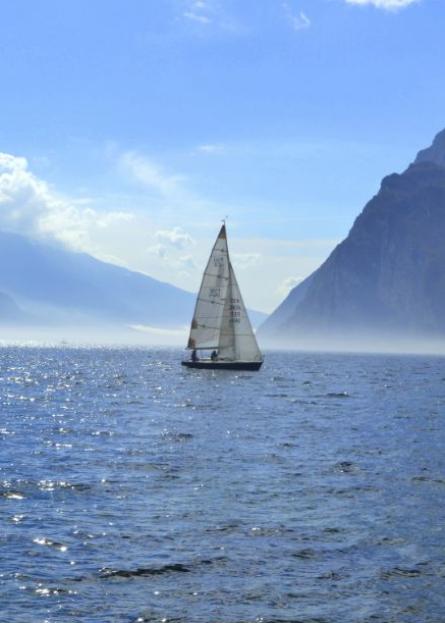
(194, 355)
(214, 355)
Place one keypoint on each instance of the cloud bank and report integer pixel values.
(29, 206)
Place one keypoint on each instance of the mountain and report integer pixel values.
(387, 278)
(48, 279)
(9, 310)
(53, 285)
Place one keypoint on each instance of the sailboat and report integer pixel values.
(220, 322)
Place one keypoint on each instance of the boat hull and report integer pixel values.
(222, 365)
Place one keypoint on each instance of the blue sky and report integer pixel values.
(143, 123)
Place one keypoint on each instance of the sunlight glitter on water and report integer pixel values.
(291, 494)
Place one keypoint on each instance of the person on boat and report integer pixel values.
(194, 355)
(214, 355)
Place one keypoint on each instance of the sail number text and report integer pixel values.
(215, 292)
(235, 310)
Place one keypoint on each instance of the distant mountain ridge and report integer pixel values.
(51, 284)
(41, 276)
(9, 310)
(388, 275)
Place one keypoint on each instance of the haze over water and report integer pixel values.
(134, 490)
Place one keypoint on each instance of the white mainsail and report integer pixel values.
(220, 320)
(237, 340)
(207, 318)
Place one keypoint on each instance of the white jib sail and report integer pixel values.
(237, 339)
(207, 318)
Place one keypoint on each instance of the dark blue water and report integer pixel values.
(133, 490)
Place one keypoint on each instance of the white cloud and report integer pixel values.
(186, 262)
(12, 163)
(297, 19)
(143, 170)
(169, 244)
(198, 11)
(166, 195)
(211, 16)
(384, 4)
(175, 237)
(181, 265)
(287, 285)
(211, 148)
(158, 249)
(29, 206)
(246, 260)
(197, 17)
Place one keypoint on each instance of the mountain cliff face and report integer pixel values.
(388, 275)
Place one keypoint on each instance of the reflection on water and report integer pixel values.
(132, 489)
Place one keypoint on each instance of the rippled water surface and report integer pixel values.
(132, 490)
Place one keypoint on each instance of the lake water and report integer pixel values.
(133, 490)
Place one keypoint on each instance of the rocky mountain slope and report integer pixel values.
(388, 276)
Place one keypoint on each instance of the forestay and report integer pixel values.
(207, 318)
